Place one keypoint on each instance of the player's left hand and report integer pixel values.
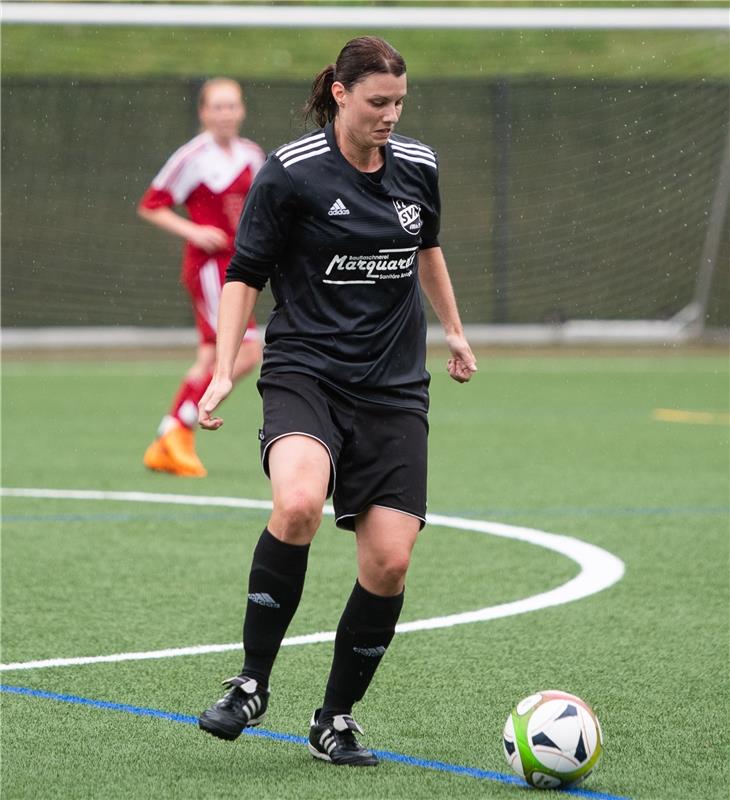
(462, 364)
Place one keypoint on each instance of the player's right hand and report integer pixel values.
(209, 238)
(462, 364)
(215, 394)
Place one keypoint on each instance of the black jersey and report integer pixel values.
(341, 251)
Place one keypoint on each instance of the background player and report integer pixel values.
(211, 176)
(344, 223)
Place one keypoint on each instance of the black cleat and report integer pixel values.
(242, 706)
(334, 741)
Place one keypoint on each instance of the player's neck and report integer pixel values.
(364, 159)
(225, 143)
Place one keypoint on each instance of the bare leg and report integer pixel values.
(385, 540)
(299, 467)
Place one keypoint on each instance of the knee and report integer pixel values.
(396, 567)
(388, 573)
(297, 515)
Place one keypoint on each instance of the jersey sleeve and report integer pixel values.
(156, 198)
(263, 229)
(431, 213)
(174, 182)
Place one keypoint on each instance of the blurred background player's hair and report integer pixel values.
(217, 81)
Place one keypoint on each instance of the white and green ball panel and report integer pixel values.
(552, 739)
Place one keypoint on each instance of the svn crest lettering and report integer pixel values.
(409, 216)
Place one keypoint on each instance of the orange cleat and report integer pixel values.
(174, 452)
(156, 458)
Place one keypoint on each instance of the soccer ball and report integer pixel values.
(552, 739)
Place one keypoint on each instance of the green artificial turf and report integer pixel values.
(564, 444)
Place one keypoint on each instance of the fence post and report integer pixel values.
(500, 229)
(713, 238)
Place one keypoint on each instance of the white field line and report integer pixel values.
(599, 569)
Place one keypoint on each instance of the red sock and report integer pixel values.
(185, 405)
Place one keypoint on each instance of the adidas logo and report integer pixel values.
(370, 652)
(263, 599)
(339, 209)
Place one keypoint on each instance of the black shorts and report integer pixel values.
(378, 453)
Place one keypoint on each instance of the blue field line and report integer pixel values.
(386, 755)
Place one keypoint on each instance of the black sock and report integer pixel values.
(363, 635)
(274, 589)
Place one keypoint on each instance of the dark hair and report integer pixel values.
(358, 58)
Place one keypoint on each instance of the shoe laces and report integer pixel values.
(240, 691)
(344, 728)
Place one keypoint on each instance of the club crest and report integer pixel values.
(409, 215)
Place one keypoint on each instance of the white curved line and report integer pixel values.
(138, 497)
(599, 570)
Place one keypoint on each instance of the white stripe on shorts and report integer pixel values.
(210, 284)
(300, 433)
(387, 508)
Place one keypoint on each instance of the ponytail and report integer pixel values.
(321, 106)
(366, 55)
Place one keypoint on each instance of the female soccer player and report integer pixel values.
(211, 175)
(344, 223)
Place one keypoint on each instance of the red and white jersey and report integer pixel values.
(211, 182)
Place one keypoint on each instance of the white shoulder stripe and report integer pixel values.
(409, 147)
(288, 162)
(300, 143)
(402, 154)
(179, 159)
(303, 149)
(416, 159)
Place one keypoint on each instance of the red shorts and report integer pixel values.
(204, 287)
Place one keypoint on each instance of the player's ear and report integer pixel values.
(338, 92)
